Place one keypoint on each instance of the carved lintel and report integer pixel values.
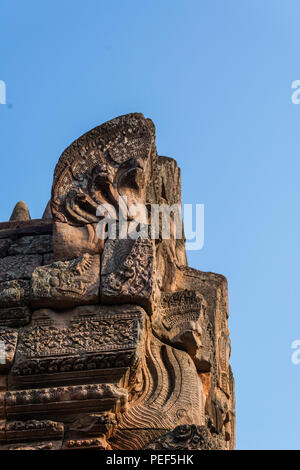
(57, 401)
(79, 342)
(31, 430)
(15, 316)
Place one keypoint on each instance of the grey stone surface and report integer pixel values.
(47, 258)
(18, 267)
(4, 246)
(31, 245)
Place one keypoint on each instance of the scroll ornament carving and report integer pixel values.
(185, 437)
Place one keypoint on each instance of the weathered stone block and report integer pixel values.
(4, 246)
(65, 284)
(213, 288)
(18, 267)
(14, 317)
(14, 293)
(47, 259)
(29, 245)
(181, 320)
(127, 272)
(18, 229)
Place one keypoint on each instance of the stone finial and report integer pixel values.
(47, 212)
(20, 212)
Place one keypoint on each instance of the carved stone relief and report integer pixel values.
(111, 343)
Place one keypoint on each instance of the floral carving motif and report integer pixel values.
(134, 276)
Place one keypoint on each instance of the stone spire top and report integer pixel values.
(20, 212)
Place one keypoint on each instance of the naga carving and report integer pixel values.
(111, 342)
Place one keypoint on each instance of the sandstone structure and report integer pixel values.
(110, 343)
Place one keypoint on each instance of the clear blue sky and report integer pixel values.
(215, 76)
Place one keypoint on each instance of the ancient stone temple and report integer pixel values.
(110, 342)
